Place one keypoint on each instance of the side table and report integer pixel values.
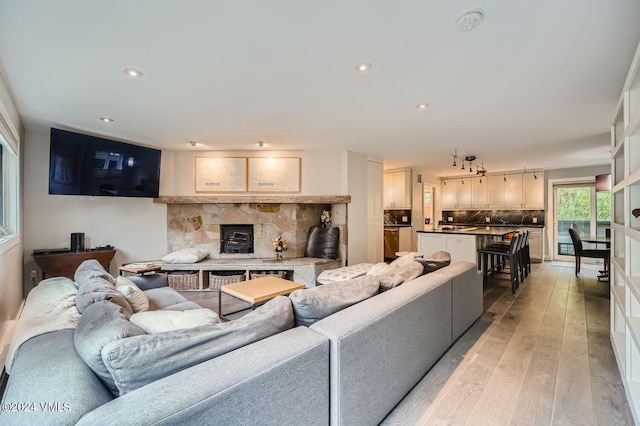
(65, 264)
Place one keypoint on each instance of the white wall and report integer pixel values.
(137, 227)
(321, 171)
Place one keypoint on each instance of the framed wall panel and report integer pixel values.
(269, 174)
(221, 174)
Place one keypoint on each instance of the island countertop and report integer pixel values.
(490, 231)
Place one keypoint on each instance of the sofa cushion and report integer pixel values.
(139, 360)
(137, 298)
(91, 269)
(435, 261)
(400, 275)
(343, 274)
(163, 298)
(96, 289)
(159, 321)
(186, 255)
(313, 304)
(102, 323)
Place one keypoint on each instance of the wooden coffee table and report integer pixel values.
(257, 291)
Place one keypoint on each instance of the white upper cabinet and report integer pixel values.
(449, 191)
(465, 193)
(480, 193)
(496, 191)
(533, 191)
(513, 192)
(397, 189)
(516, 191)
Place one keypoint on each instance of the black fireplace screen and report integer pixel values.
(236, 239)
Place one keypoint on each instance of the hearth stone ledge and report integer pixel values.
(254, 199)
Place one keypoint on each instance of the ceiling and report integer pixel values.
(535, 85)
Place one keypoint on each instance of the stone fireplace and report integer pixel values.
(202, 221)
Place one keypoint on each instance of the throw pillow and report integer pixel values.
(400, 275)
(160, 321)
(186, 255)
(137, 298)
(101, 323)
(437, 260)
(380, 269)
(97, 289)
(140, 360)
(313, 304)
(405, 259)
(91, 269)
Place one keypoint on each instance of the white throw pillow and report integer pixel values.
(380, 269)
(137, 298)
(405, 259)
(165, 320)
(186, 255)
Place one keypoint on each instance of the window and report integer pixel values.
(1, 191)
(8, 190)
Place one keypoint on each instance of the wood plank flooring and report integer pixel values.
(539, 357)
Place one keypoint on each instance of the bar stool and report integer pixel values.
(500, 253)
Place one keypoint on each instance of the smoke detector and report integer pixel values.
(470, 19)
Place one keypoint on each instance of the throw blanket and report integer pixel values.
(50, 306)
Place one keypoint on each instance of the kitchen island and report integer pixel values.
(461, 242)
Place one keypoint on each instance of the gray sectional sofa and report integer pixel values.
(350, 368)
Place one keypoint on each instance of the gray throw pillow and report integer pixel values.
(140, 360)
(91, 269)
(313, 304)
(400, 275)
(101, 323)
(437, 260)
(97, 289)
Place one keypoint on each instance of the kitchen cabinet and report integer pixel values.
(461, 247)
(457, 194)
(515, 191)
(480, 199)
(624, 275)
(449, 191)
(397, 189)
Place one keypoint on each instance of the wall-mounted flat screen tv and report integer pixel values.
(88, 165)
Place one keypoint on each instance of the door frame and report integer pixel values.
(552, 208)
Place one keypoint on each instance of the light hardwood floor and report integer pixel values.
(539, 357)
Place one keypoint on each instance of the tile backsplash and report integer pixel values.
(495, 217)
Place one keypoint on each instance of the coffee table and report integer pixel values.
(257, 291)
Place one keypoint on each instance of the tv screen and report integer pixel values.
(88, 165)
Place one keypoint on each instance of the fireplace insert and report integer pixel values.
(236, 239)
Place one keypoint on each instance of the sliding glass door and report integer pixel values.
(580, 207)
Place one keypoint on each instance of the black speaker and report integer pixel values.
(77, 241)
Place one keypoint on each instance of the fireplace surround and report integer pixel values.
(197, 221)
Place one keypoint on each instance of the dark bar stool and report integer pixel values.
(500, 253)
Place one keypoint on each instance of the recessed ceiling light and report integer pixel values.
(192, 143)
(470, 19)
(106, 119)
(422, 105)
(363, 66)
(132, 72)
